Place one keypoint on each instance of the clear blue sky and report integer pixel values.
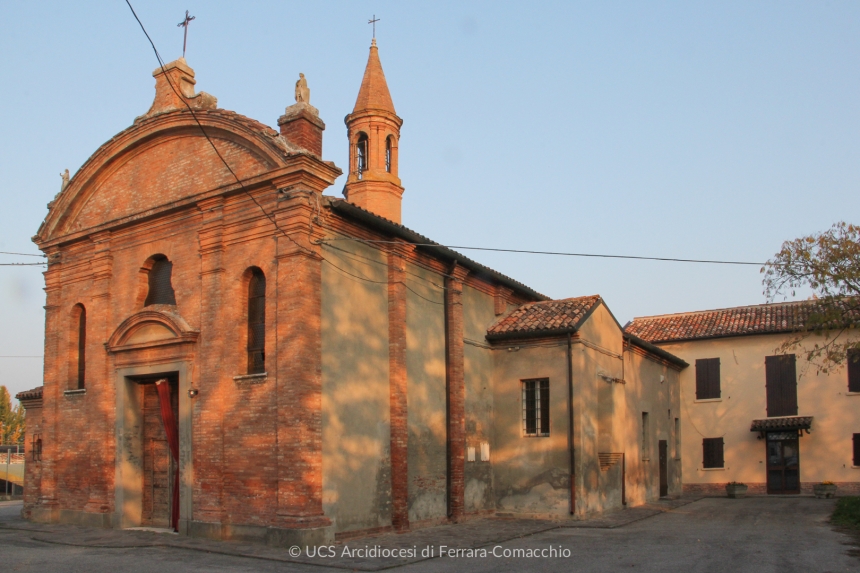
(677, 129)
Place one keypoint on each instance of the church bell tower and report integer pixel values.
(373, 129)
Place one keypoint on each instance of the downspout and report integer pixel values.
(570, 423)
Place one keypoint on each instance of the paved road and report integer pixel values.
(756, 535)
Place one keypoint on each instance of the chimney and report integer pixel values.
(301, 124)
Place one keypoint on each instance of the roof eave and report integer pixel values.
(389, 227)
(645, 345)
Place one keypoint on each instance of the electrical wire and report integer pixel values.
(23, 264)
(224, 161)
(21, 254)
(667, 259)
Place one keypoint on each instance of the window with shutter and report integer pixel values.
(257, 322)
(536, 407)
(781, 383)
(160, 287)
(707, 378)
(856, 450)
(854, 370)
(712, 453)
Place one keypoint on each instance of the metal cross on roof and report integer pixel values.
(184, 24)
(374, 21)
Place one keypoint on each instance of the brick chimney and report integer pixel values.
(301, 124)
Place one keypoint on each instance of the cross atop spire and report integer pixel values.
(374, 21)
(184, 24)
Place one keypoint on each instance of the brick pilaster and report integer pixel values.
(456, 387)
(208, 411)
(54, 380)
(299, 371)
(398, 390)
(100, 387)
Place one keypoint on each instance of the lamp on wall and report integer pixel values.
(193, 392)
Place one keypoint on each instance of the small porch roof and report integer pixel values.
(782, 423)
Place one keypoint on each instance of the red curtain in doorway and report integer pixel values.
(172, 431)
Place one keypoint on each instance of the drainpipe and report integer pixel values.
(570, 423)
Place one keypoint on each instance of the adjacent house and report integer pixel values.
(755, 411)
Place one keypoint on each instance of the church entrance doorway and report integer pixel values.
(783, 463)
(159, 466)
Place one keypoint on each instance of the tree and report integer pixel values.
(11, 420)
(829, 264)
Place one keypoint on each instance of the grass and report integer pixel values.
(847, 512)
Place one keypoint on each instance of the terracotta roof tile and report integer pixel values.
(549, 316)
(783, 423)
(739, 321)
(33, 394)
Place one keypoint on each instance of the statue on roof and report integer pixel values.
(65, 176)
(303, 93)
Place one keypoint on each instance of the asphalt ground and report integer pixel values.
(756, 534)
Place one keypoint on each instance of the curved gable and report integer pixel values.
(160, 161)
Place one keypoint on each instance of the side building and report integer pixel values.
(754, 412)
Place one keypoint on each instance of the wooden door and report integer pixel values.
(664, 468)
(783, 463)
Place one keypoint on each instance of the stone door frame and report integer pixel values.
(129, 442)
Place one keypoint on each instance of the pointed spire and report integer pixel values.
(374, 92)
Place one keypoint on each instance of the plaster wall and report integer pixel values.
(355, 403)
(478, 315)
(651, 386)
(426, 396)
(825, 453)
(597, 355)
(531, 474)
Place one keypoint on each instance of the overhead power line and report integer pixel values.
(21, 254)
(23, 264)
(602, 256)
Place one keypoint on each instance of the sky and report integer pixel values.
(702, 130)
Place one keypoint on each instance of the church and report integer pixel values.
(234, 353)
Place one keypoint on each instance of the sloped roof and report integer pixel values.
(373, 93)
(544, 317)
(33, 394)
(738, 321)
(388, 226)
(783, 423)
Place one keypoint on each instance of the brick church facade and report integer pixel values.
(330, 371)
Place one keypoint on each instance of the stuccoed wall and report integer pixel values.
(825, 453)
(355, 392)
(531, 473)
(478, 315)
(651, 387)
(425, 371)
(596, 402)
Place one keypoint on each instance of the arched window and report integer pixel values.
(78, 343)
(160, 288)
(361, 154)
(388, 154)
(257, 322)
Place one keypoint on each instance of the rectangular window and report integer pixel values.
(645, 437)
(707, 378)
(536, 407)
(781, 383)
(712, 453)
(854, 370)
(856, 450)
